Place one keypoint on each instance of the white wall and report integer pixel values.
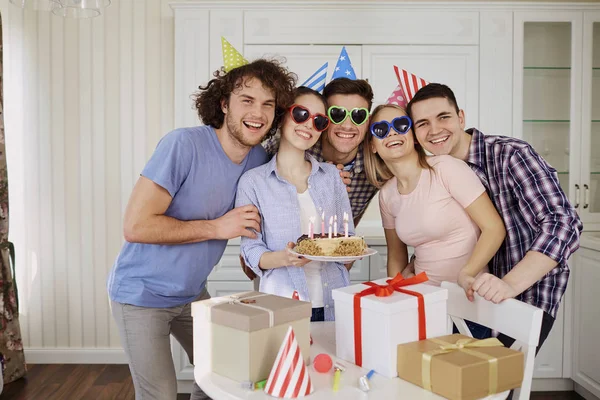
(85, 103)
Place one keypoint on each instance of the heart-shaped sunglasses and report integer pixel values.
(301, 114)
(338, 115)
(381, 129)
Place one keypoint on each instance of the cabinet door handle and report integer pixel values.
(576, 195)
(586, 196)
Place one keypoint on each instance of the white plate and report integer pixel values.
(343, 259)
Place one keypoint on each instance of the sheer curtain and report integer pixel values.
(11, 345)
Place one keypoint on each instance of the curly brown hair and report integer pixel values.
(273, 76)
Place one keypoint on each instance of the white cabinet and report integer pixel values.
(378, 267)
(304, 60)
(549, 361)
(526, 70)
(460, 71)
(586, 320)
(590, 128)
(360, 270)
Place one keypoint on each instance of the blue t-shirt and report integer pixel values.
(193, 167)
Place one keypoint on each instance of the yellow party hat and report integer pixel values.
(231, 57)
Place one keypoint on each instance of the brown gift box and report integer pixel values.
(244, 347)
(458, 375)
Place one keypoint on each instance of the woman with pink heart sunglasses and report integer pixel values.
(289, 191)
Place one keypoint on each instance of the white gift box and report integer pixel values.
(386, 322)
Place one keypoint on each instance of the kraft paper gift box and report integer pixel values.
(386, 321)
(242, 333)
(458, 367)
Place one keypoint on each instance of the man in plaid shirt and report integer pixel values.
(341, 144)
(542, 227)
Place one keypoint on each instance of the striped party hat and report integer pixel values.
(289, 377)
(409, 84)
(231, 57)
(317, 80)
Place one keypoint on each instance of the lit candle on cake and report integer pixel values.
(311, 226)
(335, 225)
(345, 224)
(330, 223)
(323, 224)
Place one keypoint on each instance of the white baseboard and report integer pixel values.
(583, 392)
(184, 386)
(75, 356)
(551, 385)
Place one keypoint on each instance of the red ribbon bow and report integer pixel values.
(393, 285)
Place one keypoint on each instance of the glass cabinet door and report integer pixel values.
(592, 199)
(547, 112)
(547, 76)
(547, 97)
(590, 208)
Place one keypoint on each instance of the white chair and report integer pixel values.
(511, 317)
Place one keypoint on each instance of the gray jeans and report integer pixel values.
(145, 336)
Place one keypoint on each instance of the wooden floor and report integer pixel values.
(107, 382)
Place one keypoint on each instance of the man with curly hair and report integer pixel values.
(181, 214)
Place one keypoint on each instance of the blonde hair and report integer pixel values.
(377, 171)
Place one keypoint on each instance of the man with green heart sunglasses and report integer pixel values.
(338, 114)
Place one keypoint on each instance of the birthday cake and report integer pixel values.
(339, 246)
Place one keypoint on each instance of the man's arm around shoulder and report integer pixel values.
(145, 221)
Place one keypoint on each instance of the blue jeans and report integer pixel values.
(482, 332)
(478, 331)
(318, 314)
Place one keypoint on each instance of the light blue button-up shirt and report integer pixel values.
(277, 202)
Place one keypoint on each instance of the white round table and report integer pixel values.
(323, 334)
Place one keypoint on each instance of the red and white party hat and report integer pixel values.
(409, 84)
(289, 377)
(397, 97)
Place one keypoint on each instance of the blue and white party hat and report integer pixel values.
(317, 80)
(343, 68)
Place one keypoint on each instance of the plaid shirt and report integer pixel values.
(535, 210)
(361, 191)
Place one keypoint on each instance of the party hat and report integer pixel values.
(409, 85)
(231, 57)
(289, 377)
(317, 80)
(397, 97)
(343, 68)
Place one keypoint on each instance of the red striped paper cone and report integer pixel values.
(289, 377)
(409, 83)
